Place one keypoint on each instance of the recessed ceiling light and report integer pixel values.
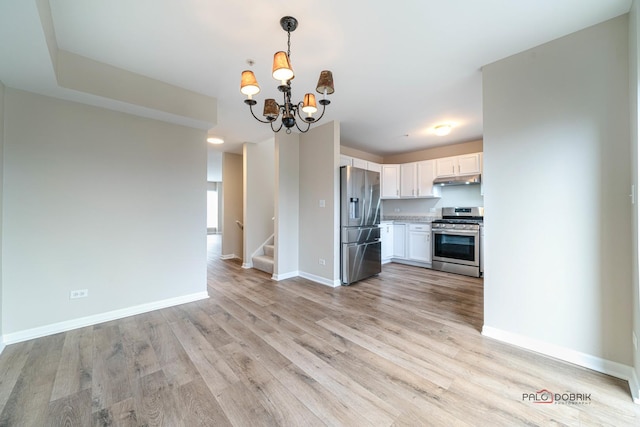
(442, 130)
(214, 140)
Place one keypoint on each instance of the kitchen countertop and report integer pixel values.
(407, 218)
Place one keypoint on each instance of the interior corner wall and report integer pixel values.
(231, 205)
(319, 226)
(258, 204)
(98, 200)
(287, 203)
(2, 89)
(634, 102)
(556, 147)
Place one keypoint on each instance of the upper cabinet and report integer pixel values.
(466, 164)
(346, 160)
(359, 163)
(390, 179)
(416, 179)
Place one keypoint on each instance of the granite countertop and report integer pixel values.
(410, 218)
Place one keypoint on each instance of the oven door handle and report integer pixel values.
(457, 232)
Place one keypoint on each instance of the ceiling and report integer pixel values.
(400, 68)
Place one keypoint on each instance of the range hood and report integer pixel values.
(458, 180)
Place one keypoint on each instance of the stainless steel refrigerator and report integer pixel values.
(360, 249)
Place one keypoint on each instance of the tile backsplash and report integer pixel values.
(459, 195)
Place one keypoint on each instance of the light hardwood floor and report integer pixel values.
(401, 349)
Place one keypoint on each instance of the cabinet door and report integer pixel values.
(376, 167)
(469, 164)
(419, 244)
(399, 243)
(408, 180)
(390, 178)
(447, 166)
(346, 160)
(386, 235)
(359, 163)
(425, 175)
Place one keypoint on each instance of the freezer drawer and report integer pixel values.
(360, 234)
(360, 261)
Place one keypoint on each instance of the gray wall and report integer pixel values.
(259, 177)
(2, 90)
(97, 200)
(287, 205)
(231, 209)
(558, 270)
(634, 75)
(319, 159)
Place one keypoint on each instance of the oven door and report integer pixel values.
(456, 246)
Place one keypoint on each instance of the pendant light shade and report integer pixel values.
(282, 67)
(249, 84)
(271, 110)
(325, 82)
(309, 105)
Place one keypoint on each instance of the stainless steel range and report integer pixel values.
(456, 241)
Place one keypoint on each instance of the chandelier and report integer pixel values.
(283, 72)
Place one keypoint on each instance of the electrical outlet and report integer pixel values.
(396, 210)
(321, 261)
(635, 341)
(322, 203)
(79, 293)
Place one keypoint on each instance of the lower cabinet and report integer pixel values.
(419, 242)
(386, 237)
(399, 240)
(411, 244)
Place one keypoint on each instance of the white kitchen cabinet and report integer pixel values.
(466, 164)
(386, 237)
(373, 166)
(390, 181)
(399, 240)
(416, 179)
(359, 163)
(346, 160)
(419, 243)
(446, 166)
(408, 186)
(469, 164)
(425, 174)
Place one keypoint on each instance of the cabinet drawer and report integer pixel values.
(419, 227)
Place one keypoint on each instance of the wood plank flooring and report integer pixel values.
(399, 349)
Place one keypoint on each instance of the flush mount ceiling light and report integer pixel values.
(442, 130)
(214, 140)
(283, 72)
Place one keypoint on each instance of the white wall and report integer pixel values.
(214, 166)
(319, 226)
(231, 209)
(287, 205)
(97, 200)
(259, 177)
(556, 192)
(634, 75)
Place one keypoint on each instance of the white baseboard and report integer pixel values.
(2, 347)
(321, 280)
(589, 361)
(247, 265)
(229, 256)
(634, 385)
(99, 318)
(284, 276)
